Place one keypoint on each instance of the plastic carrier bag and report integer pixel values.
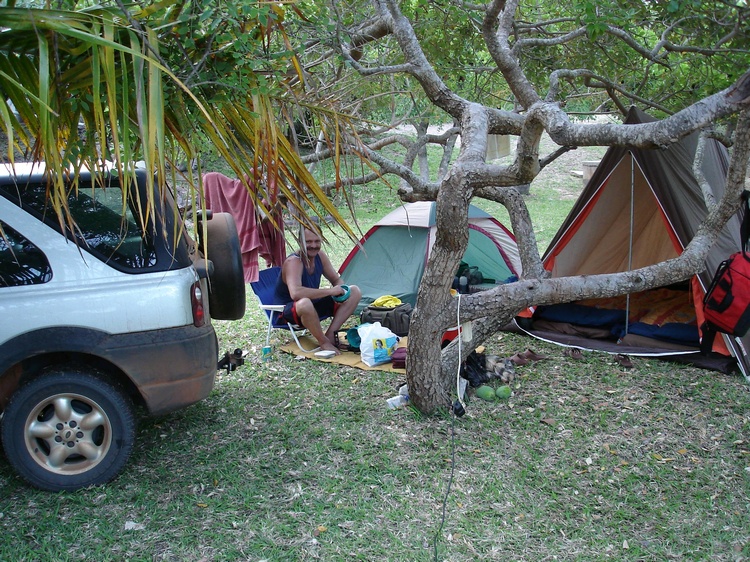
(377, 345)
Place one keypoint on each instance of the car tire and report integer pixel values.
(226, 291)
(68, 429)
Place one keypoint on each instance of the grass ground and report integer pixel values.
(292, 460)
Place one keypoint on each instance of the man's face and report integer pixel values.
(312, 243)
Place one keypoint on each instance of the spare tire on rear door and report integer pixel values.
(226, 292)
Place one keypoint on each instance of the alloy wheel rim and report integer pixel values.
(68, 434)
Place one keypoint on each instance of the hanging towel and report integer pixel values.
(227, 195)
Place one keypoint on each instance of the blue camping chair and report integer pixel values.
(265, 289)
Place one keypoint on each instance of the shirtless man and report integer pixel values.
(299, 286)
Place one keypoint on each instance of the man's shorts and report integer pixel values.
(325, 307)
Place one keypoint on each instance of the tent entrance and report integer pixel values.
(391, 264)
(599, 240)
(622, 228)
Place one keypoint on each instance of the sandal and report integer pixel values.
(518, 359)
(573, 353)
(531, 355)
(624, 361)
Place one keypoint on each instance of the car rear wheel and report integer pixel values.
(226, 292)
(68, 429)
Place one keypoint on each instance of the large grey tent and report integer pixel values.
(641, 207)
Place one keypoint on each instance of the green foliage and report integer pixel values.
(707, 47)
(223, 48)
(449, 34)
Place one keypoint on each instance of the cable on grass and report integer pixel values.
(450, 482)
(453, 434)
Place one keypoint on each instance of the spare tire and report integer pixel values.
(226, 284)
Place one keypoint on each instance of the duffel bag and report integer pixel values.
(396, 319)
(726, 306)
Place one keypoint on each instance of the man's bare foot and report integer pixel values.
(328, 346)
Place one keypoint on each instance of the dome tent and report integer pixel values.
(391, 257)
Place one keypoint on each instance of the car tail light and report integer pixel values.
(196, 299)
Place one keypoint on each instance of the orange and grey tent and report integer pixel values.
(641, 207)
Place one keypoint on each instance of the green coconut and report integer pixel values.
(486, 393)
(503, 392)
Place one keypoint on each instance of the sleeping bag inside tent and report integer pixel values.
(391, 257)
(639, 208)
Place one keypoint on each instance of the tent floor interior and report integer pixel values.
(711, 361)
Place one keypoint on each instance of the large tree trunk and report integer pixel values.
(428, 385)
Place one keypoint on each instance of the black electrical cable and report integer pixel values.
(450, 482)
(456, 410)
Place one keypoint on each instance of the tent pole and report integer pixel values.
(630, 241)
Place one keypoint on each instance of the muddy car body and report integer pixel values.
(104, 315)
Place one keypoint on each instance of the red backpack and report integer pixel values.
(726, 306)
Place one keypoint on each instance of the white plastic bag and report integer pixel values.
(378, 344)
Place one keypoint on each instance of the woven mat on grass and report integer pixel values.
(348, 358)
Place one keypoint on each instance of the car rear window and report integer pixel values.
(101, 222)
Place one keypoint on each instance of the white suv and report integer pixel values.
(102, 316)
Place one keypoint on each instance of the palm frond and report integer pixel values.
(83, 87)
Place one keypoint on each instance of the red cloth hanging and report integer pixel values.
(226, 195)
(272, 240)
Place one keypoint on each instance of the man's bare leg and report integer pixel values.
(309, 318)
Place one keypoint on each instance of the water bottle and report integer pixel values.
(398, 401)
(463, 285)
